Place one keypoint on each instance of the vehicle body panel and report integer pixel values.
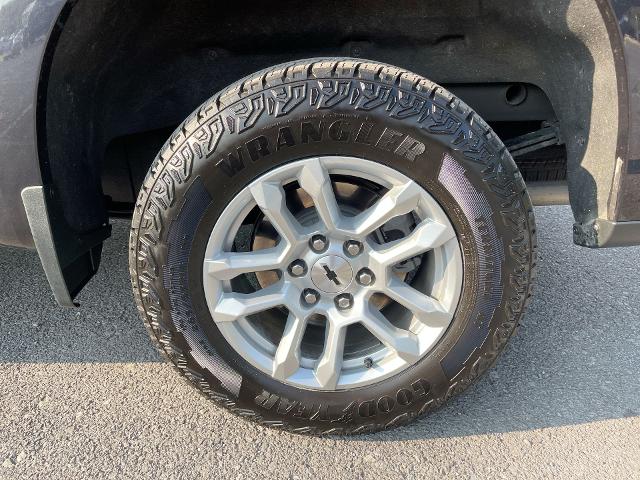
(626, 189)
(24, 31)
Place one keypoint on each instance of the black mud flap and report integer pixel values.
(69, 259)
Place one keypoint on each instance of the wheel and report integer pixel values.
(332, 246)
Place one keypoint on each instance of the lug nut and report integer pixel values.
(353, 247)
(365, 277)
(310, 297)
(297, 268)
(344, 301)
(318, 243)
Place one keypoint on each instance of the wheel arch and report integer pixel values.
(114, 68)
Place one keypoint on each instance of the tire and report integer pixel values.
(547, 165)
(254, 127)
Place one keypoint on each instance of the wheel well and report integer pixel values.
(121, 75)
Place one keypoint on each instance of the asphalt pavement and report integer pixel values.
(84, 395)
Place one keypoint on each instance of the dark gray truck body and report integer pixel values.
(56, 56)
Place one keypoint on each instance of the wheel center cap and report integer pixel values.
(331, 274)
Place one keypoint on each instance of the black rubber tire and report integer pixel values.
(546, 165)
(464, 166)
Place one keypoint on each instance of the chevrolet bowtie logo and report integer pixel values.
(331, 275)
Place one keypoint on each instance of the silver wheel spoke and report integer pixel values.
(403, 342)
(426, 309)
(286, 361)
(400, 200)
(228, 265)
(271, 200)
(327, 371)
(315, 180)
(232, 306)
(426, 236)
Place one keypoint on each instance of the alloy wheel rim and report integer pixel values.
(333, 268)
